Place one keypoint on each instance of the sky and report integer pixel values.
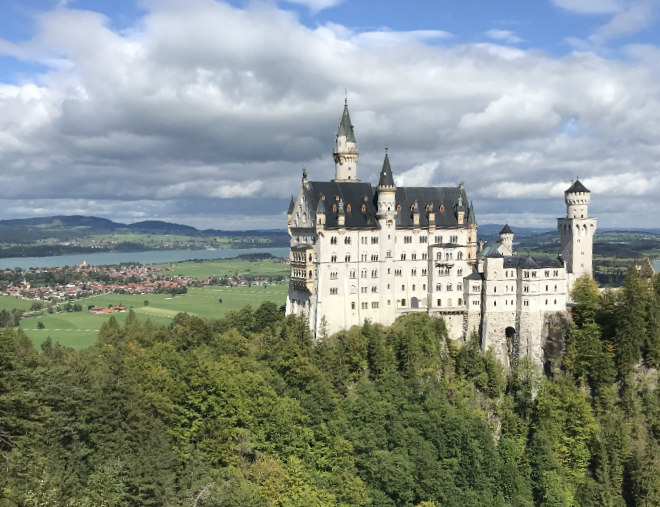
(204, 112)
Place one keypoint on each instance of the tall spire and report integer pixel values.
(472, 220)
(345, 152)
(386, 179)
(345, 125)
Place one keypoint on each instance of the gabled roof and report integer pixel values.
(345, 126)
(352, 195)
(444, 200)
(506, 230)
(475, 276)
(490, 249)
(531, 262)
(577, 186)
(386, 178)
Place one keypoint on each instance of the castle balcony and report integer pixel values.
(350, 150)
(302, 269)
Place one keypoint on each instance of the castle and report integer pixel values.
(359, 252)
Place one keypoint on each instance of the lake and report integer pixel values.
(148, 257)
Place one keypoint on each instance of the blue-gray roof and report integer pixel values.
(386, 178)
(531, 262)
(345, 126)
(577, 186)
(506, 230)
(353, 196)
(443, 199)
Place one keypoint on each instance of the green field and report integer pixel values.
(79, 329)
(229, 267)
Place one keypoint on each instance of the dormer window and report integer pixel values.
(442, 207)
(337, 197)
(364, 208)
(334, 208)
(398, 207)
(412, 207)
(428, 208)
(348, 208)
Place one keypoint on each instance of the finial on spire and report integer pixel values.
(386, 148)
(304, 171)
(345, 97)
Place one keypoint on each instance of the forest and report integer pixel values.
(249, 410)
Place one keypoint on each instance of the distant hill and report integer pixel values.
(56, 235)
(20, 229)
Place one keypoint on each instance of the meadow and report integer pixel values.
(79, 329)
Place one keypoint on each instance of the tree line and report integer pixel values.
(249, 410)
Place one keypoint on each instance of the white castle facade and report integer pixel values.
(359, 252)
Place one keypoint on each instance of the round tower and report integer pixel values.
(576, 232)
(345, 152)
(506, 240)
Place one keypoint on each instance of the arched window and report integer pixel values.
(398, 207)
(442, 207)
(348, 208)
(364, 208)
(334, 208)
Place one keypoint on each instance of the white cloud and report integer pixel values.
(590, 6)
(419, 176)
(505, 36)
(634, 18)
(183, 115)
(316, 5)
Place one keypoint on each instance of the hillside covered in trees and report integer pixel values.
(247, 410)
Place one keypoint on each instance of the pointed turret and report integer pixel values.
(345, 125)
(345, 152)
(472, 219)
(460, 206)
(341, 216)
(320, 212)
(386, 178)
(386, 191)
(292, 205)
(506, 240)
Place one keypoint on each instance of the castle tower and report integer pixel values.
(576, 232)
(345, 152)
(506, 240)
(386, 215)
(472, 235)
(386, 191)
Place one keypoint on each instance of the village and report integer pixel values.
(69, 283)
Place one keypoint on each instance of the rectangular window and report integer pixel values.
(374, 304)
(423, 239)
